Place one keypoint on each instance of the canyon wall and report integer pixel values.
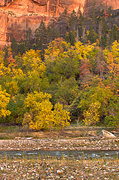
(17, 16)
(100, 4)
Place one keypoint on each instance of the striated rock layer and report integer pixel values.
(17, 16)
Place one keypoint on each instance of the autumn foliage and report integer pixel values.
(70, 83)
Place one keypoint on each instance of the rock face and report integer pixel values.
(4, 2)
(100, 4)
(17, 16)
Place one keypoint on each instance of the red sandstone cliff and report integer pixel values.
(17, 16)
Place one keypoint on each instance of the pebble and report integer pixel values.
(59, 172)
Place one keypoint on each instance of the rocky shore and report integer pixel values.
(55, 168)
(26, 144)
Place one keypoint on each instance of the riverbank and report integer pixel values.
(72, 138)
(52, 167)
(63, 169)
(27, 144)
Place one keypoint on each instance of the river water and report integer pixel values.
(60, 154)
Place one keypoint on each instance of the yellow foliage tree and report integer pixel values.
(32, 61)
(41, 114)
(26, 120)
(12, 87)
(61, 117)
(4, 71)
(4, 100)
(112, 59)
(43, 118)
(91, 116)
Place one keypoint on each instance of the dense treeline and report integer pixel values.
(82, 80)
(63, 73)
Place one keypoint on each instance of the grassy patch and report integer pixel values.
(10, 132)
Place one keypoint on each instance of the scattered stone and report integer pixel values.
(59, 172)
(71, 177)
(1, 168)
(89, 143)
(28, 138)
(107, 134)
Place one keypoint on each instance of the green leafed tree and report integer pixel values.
(16, 107)
(112, 118)
(94, 103)
(67, 91)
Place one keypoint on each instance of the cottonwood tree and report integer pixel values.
(41, 115)
(4, 100)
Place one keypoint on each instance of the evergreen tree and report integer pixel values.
(73, 21)
(70, 37)
(22, 47)
(104, 31)
(29, 39)
(114, 34)
(14, 46)
(91, 35)
(41, 36)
